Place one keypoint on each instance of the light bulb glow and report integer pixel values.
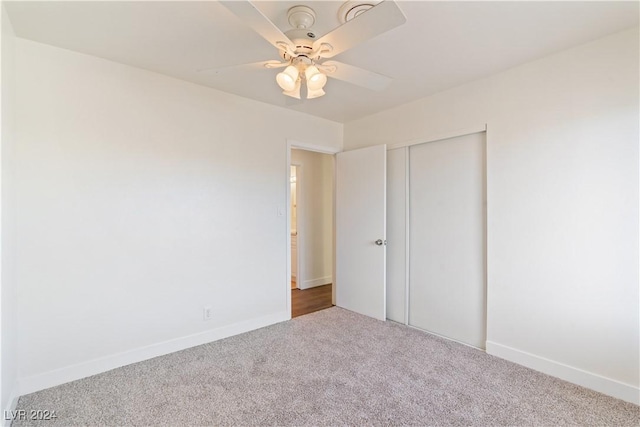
(288, 78)
(315, 79)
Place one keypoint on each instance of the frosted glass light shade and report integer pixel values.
(315, 79)
(314, 93)
(287, 79)
(295, 92)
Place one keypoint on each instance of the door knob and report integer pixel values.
(380, 242)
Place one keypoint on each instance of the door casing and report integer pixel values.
(291, 144)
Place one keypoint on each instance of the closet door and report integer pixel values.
(447, 290)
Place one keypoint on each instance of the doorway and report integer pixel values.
(311, 230)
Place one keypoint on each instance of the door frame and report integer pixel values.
(291, 144)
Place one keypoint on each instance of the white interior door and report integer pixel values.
(361, 230)
(447, 291)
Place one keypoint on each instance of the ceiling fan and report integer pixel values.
(304, 56)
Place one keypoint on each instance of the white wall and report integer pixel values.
(562, 188)
(143, 198)
(315, 217)
(8, 336)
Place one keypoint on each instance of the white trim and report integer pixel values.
(320, 281)
(485, 235)
(96, 366)
(312, 147)
(439, 137)
(334, 189)
(13, 404)
(287, 230)
(407, 235)
(617, 389)
(384, 233)
(487, 206)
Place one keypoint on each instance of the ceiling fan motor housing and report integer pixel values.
(301, 18)
(303, 39)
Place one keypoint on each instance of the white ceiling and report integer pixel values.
(442, 45)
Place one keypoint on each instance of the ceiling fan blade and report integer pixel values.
(254, 65)
(357, 76)
(377, 20)
(254, 18)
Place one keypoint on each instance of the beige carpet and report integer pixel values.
(331, 367)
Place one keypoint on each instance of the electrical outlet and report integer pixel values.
(207, 313)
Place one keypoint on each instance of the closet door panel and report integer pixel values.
(447, 291)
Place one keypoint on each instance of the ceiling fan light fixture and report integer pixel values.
(302, 52)
(314, 93)
(295, 92)
(288, 78)
(315, 79)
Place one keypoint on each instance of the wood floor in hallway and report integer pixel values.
(309, 300)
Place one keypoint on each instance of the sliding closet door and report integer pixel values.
(447, 291)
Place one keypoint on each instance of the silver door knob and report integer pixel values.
(380, 242)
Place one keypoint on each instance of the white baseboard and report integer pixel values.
(608, 386)
(96, 366)
(306, 284)
(6, 412)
